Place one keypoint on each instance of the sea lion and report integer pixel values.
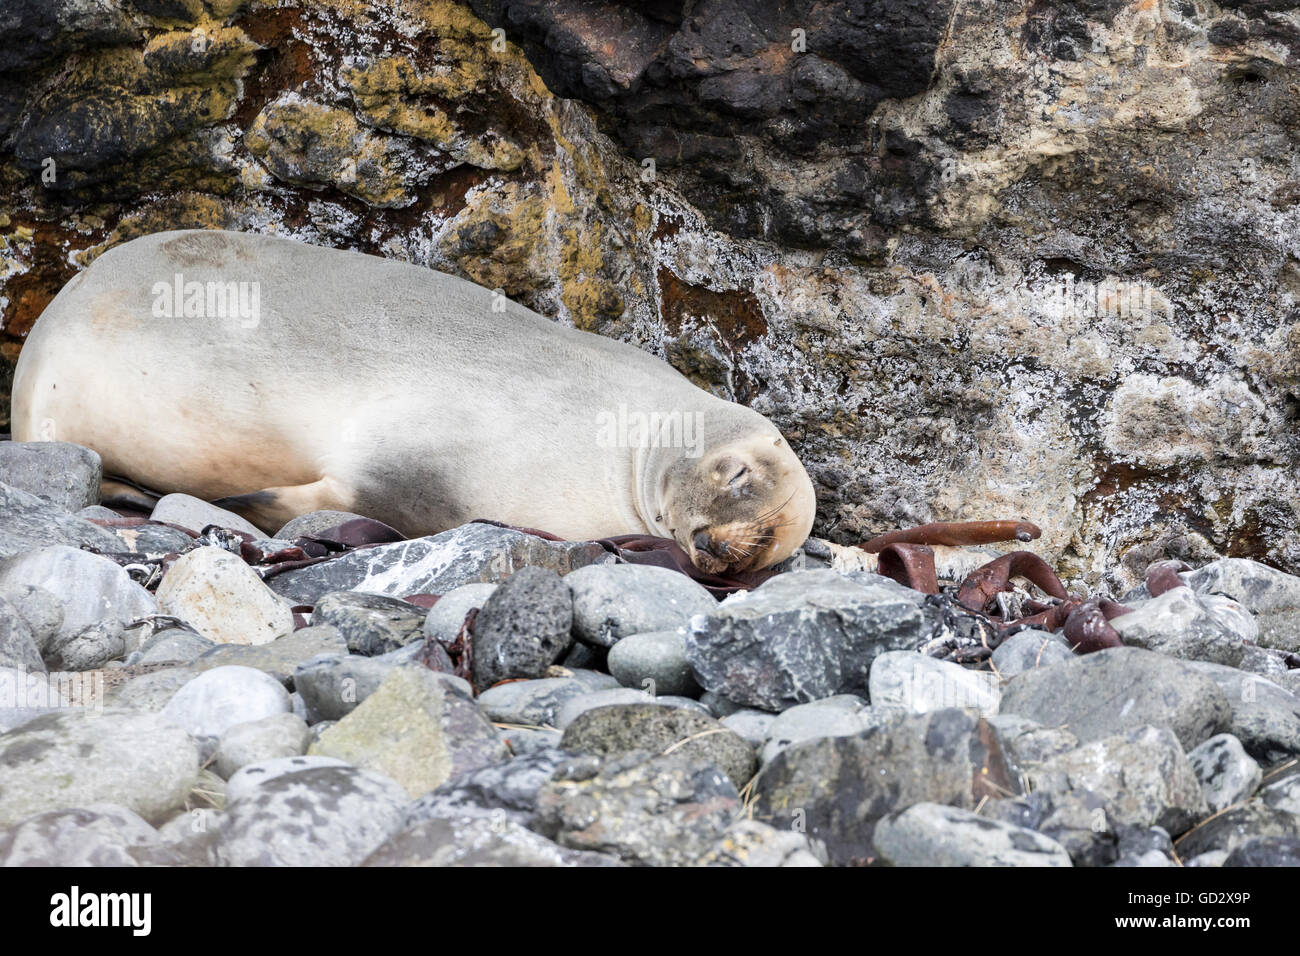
(285, 378)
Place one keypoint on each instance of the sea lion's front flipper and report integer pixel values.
(114, 493)
(272, 508)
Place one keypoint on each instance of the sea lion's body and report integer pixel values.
(365, 385)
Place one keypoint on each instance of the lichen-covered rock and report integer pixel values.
(664, 810)
(620, 728)
(419, 728)
(834, 789)
(502, 791)
(750, 843)
(70, 759)
(1227, 773)
(311, 144)
(97, 835)
(1237, 826)
(314, 816)
(1266, 851)
(678, 178)
(475, 841)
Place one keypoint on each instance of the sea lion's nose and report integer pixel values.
(704, 543)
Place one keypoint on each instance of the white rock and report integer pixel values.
(90, 588)
(223, 599)
(922, 684)
(218, 699)
(1227, 773)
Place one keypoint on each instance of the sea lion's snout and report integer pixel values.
(732, 548)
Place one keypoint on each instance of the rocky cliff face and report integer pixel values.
(977, 259)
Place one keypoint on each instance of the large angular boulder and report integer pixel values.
(802, 636)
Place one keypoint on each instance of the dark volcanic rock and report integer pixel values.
(836, 788)
(371, 624)
(802, 636)
(523, 628)
(734, 77)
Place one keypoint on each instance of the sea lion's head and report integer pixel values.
(741, 506)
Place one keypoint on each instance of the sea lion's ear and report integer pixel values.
(777, 442)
